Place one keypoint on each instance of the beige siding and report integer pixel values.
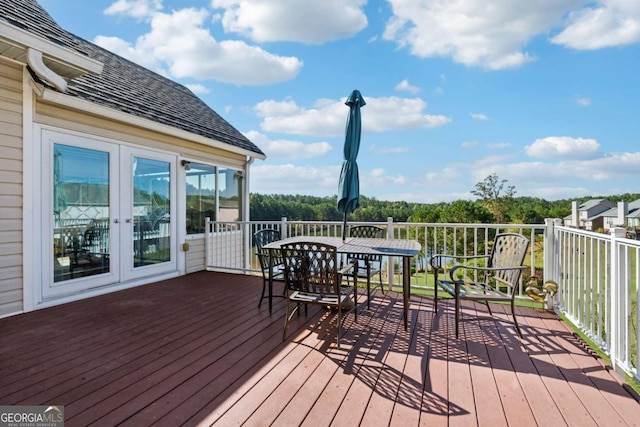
(81, 122)
(66, 118)
(74, 120)
(11, 281)
(195, 256)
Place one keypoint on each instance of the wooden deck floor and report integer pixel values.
(196, 350)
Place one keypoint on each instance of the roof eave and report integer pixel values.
(15, 42)
(92, 108)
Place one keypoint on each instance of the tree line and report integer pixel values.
(522, 210)
(496, 203)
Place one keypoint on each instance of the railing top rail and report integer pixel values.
(421, 224)
(598, 236)
(582, 232)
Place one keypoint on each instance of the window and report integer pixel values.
(230, 195)
(80, 212)
(212, 192)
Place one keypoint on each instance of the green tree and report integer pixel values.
(466, 212)
(495, 196)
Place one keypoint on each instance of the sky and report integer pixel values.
(544, 93)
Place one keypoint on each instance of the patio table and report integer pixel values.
(357, 245)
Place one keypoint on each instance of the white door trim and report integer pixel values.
(43, 292)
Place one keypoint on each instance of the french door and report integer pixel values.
(110, 214)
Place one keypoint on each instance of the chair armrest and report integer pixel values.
(346, 268)
(453, 257)
(483, 269)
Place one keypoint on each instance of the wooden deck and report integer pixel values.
(196, 350)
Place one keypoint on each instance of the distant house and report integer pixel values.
(625, 215)
(588, 215)
(106, 168)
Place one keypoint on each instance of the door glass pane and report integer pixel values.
(229, 189)
(201, 196)
(151, 212)
(80, 212)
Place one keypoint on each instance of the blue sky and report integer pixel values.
(543, 93)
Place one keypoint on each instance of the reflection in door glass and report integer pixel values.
(151, 212)
(230, 195)
(80, 212)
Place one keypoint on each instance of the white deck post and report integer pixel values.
(284, 230)
(390, 264)
(616, 312)
(551, 266)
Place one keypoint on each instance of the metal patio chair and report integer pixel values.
(368, 265)
(496, 280)
(260, 239)
(312, 276)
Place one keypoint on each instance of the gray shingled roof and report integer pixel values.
(634, 210)
(126, 86)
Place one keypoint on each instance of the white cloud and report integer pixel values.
(493, 34)
(377, 178)
(198, 89)
(135, 8)
(556, 193)
(488, 34)
(126, 50)
(478, 116)
(179, 44)
(498, 145)
(311, 180)
(406, 87)
(284, 148)
(542, 178)
(294, 179)
(328, 117)
(449, 173)
(583, 102)
(311, 21)
(603, 24)
(563, 146)
(389, 150)
(469, 144)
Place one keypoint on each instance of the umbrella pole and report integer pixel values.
(344, 228)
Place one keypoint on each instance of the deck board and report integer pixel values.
(197, 351)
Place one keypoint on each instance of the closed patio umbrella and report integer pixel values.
(349, 184)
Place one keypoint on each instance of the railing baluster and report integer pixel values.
(597, 275)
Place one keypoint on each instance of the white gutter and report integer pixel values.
(34, 59)
(80, 63)
(92, 108)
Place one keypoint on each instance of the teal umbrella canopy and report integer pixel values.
(349, 184)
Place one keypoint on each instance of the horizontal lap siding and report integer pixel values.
(48, 114)
(195, 256)
(11, 279)
(74, 120)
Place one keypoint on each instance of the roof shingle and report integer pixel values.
(126, 86)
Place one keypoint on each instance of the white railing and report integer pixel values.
(597, 274)
(229, 244)
(598, 280)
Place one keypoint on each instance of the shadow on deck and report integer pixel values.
(196, 350)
